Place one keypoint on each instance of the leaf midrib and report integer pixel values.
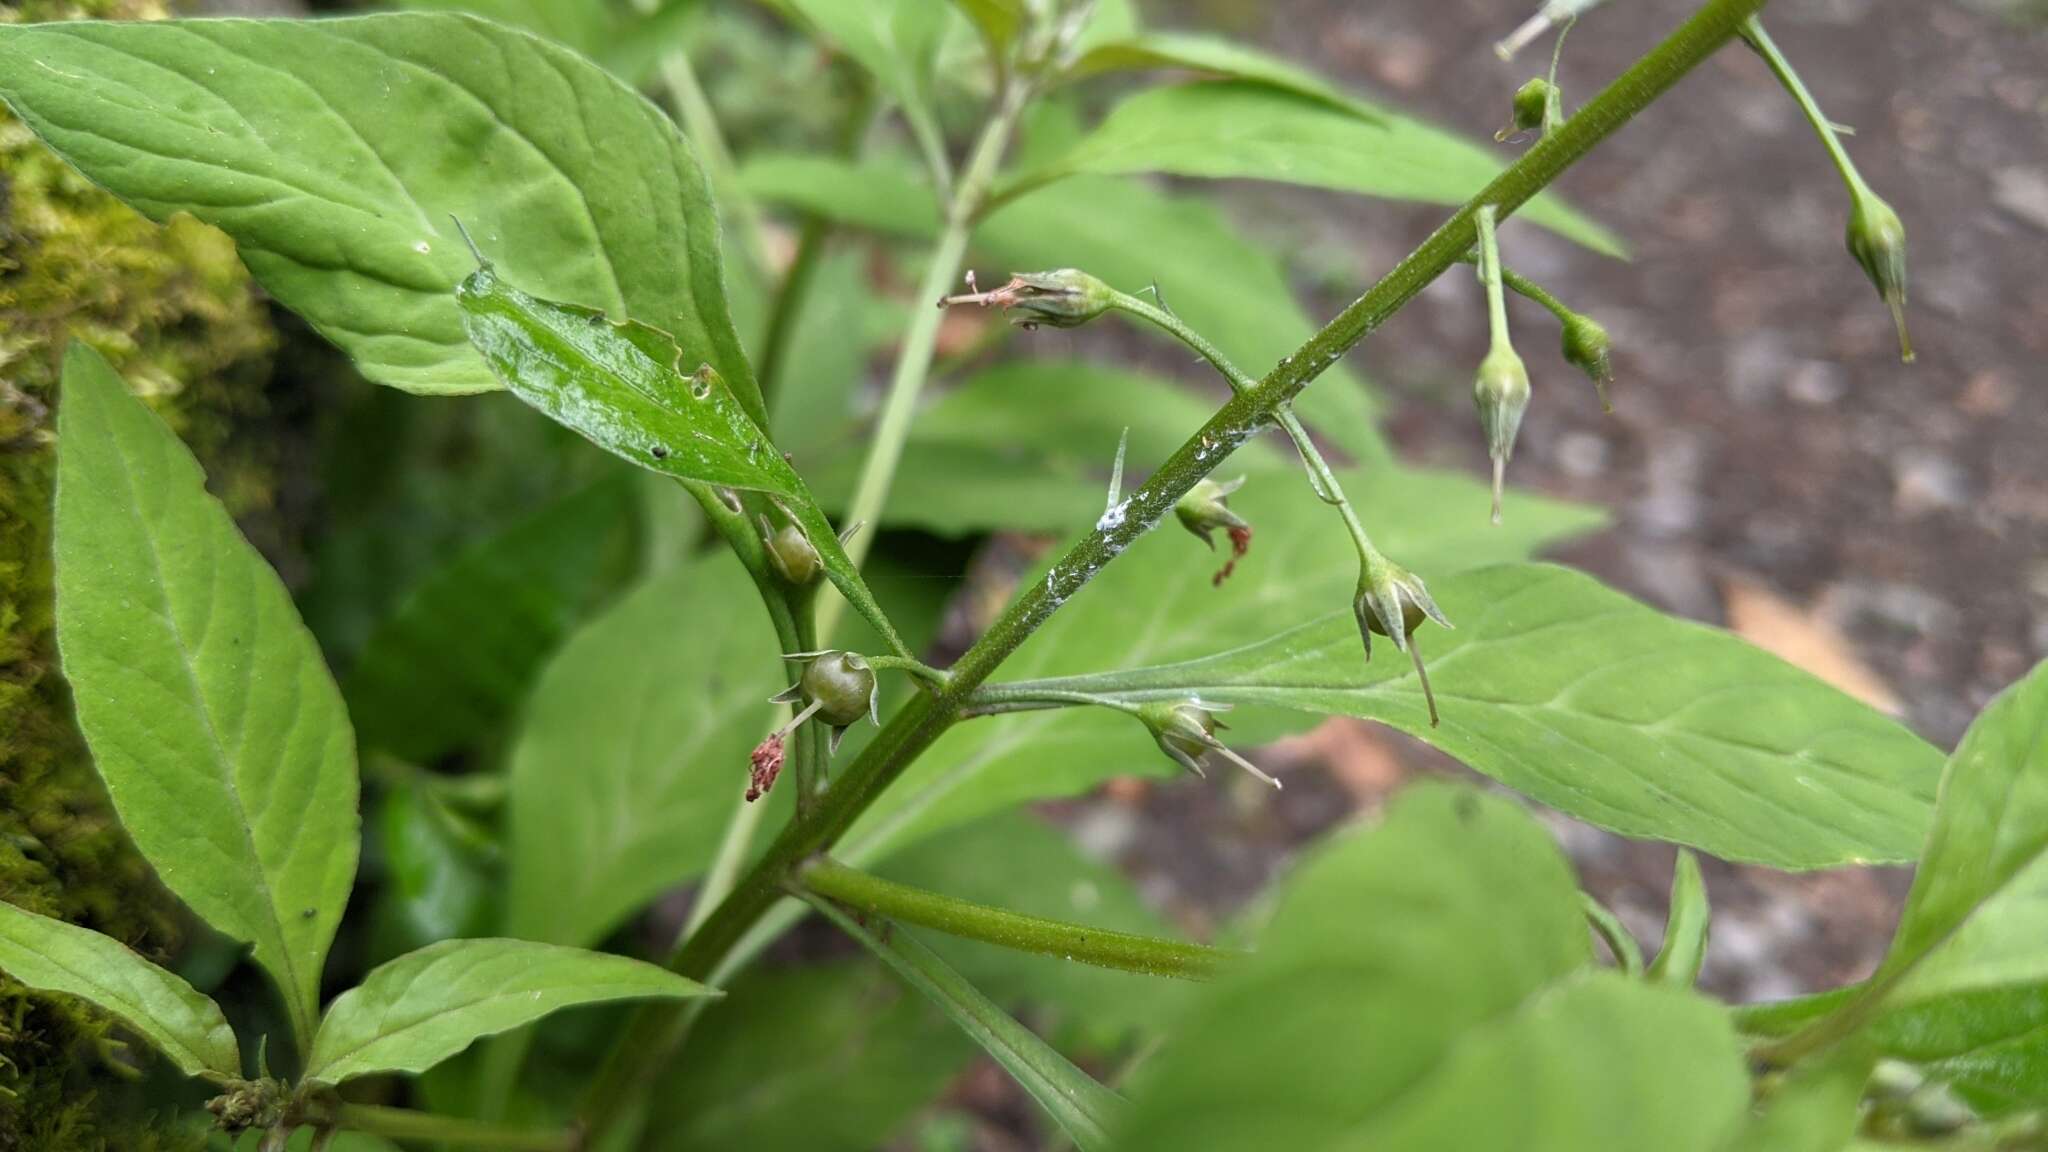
(160, 594)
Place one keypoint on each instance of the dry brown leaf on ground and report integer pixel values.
(1802, 639)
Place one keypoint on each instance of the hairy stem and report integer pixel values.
(1078, 942)
(1320, 477)
(925, 717)
(452, 1131)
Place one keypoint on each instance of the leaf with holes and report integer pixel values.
(420, 1009)
(210, 715)
(639, 394)
(1607, 710)
(335, 152)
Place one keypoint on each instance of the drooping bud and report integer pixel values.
(791, 553)
(837, 687)
(1586, 348)
(1062, 298)
(1877, 238)
(1185, 730)
(1206, 508)
(1393, 602)
(1531, 108)
(1501, 393)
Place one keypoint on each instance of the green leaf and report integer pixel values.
(1965, 984)
(420, 1009)
(1598, 706)
(896, 41)
(997, 20)
(635, 392)
(1236, 130)
(336, 151)
(1301, 566)
(628, 42)
(1989, 1044)
(1027, 446)
(892, 199)
(831, 1059)
(1219, 58)
(1425, 985)
(1989, 838)
(438, 877)
(220, 734)
(1083, 1108)
(1016, 861)
(634, 751)
(177, 1020)
(1685, 928)
(1123, 231)
(450, 665)
(1234, 293)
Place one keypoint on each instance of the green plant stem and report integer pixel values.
(1628, 955)
(924, 718)
(914, 362)
(1077, 942)
(1490, 275)
(1760, 41)
(1082, 1107)
(1320, 476)
(1016, 696)
(1528, 289)
(452, 1131)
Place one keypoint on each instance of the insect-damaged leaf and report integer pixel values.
(639, 394)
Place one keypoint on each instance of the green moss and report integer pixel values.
(175, 312)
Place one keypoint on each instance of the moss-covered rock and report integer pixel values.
(174, 310)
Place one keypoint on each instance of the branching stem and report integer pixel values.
(1150, 955)
(645, 1048)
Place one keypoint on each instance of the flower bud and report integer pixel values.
(1393, 602)
(1185, 731)
(1877, 238)
(1502, 395)
(1206, 508)
(1531, 108)
(1586, 348)
(1063, 298)
(791, 553)
(837, 687)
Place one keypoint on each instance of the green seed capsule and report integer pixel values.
(791, 552)
(1586, 347)
(1501, 394)
(842, 686)
(1877, 239)
(1532, 100)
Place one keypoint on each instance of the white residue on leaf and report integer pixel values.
(1112, 517)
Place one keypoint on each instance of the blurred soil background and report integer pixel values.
(1770, 465)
